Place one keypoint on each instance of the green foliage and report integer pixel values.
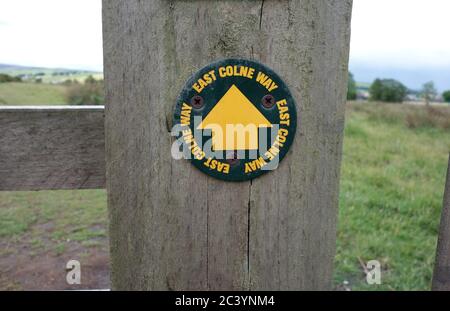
(7, 78)
(351, 87)
(69, 82)
(89, 93)
(387, 90)
(446, 96)
(428, 92)
(90, 80)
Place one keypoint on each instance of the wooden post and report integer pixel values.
(441, 276)
(172, 227)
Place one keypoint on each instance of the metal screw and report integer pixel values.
(197, 102)
(268, 101)
(232, 158)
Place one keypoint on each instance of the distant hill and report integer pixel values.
(48, 75)
(6, 67)
(413, 78)
(10, 68)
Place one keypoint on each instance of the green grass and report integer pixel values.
(392, 183)
(391, 196)
(51, 218)
(17, 93)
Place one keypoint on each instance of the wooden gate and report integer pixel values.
(172, 227)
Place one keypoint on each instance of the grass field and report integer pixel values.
(393, 173)
(392, 184)
(21, 93)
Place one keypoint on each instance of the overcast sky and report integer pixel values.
(401, 32)
(67, 33)
(51, 33)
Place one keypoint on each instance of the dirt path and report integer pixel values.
(27, 267)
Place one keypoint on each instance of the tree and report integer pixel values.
(89, 93)
(387, 90)
(375, 90)
(7, 78)
(351, 87)
(90, 80)
(428, 92)
(446, 96)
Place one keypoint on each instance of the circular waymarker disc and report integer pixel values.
(235, 119)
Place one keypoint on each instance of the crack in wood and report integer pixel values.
(261, 14)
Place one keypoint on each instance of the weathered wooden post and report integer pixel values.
(441, 275)
(172, 227)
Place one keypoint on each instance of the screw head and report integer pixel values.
(268, 101)
(197, 102)
(232, 158)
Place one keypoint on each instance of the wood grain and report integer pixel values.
(171, 227)
(52, 148)
(441, 276)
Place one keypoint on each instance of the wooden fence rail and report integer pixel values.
(52, 147)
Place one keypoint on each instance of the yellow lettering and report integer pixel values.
(273, 86)
(206, 163)
(251, 72)
(265, 81)
(197, 87)
(261, 77)
(204, 81)
(283, 110)
(207, 78)
(186, 114)
(217, 165)
(236, 71)
(255, 165)
(196, 151)
(283, 132)
(222, 73)
(281, 103)
(213, 75)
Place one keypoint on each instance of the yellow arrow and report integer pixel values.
(234, 122)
